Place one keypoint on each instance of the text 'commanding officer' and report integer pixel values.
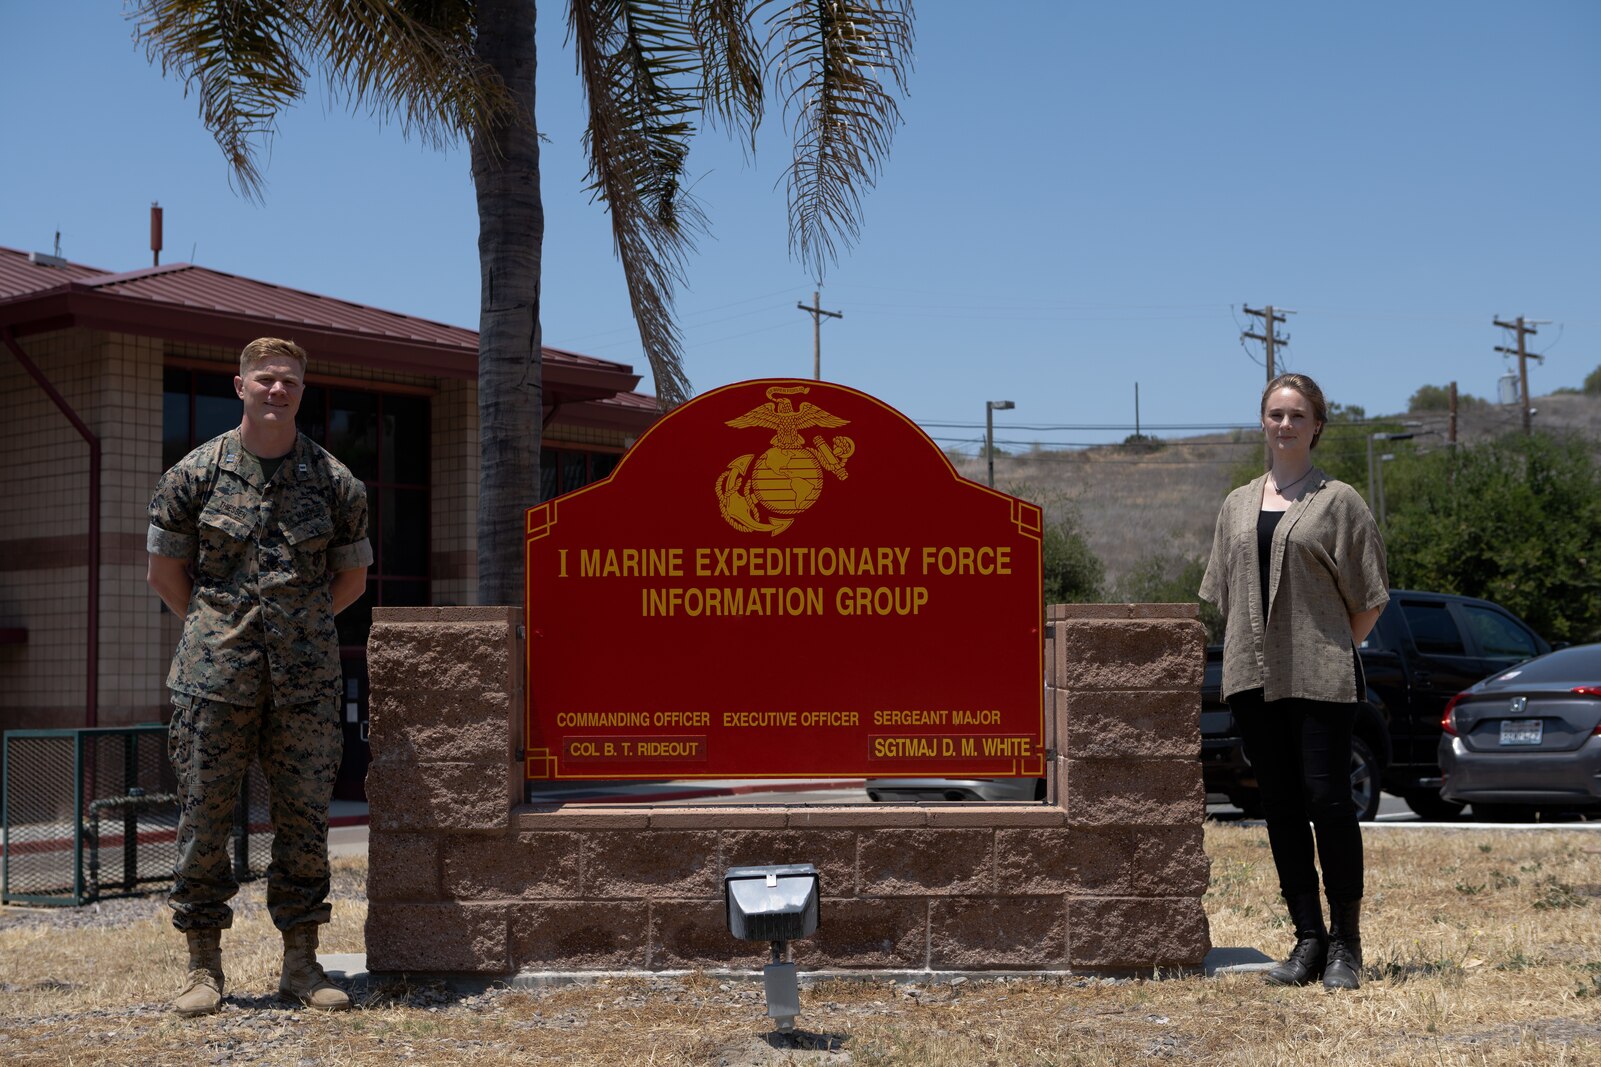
(257, 540)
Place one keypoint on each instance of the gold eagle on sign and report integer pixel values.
(758, 494)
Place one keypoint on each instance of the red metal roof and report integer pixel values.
(215, 290)
(568, 356)
(181, 301)
(629, 411)
(636, 401)
(19, 276)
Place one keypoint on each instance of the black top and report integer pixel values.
(1266, 523)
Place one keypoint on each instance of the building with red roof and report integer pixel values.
(111, 377)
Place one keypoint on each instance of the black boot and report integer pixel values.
(1305, 963)
(1345, 945)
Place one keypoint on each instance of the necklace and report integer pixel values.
(1279, 489)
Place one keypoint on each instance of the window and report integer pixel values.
(1374, 641)
(561, 470)
(383, 439)
(195, 407)
(1433, 629)
(1579, 665)
(1498, 635)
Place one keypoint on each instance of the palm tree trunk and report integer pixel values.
(511, 231)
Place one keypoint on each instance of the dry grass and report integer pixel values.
(1135, 504)
(1483, 948)
(1130, 504)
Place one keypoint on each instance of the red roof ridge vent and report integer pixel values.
(131, 275)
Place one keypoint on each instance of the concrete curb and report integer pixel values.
(352, 967)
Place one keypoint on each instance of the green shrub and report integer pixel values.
(1438, 398)
(1168, 578)
(1073, 573)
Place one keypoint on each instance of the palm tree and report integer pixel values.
(452, 69)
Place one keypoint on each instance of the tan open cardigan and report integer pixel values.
(1327, 565)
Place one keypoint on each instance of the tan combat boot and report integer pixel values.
(303, 978)
(202, 990)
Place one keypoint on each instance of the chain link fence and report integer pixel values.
(92, 813)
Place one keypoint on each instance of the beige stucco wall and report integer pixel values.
(453, 544)
(113, 382)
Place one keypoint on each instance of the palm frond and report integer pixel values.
(836, 63)
(412, 63)
(730, 63)
(637, 60)
(240, 57)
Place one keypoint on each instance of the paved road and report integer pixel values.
(1394, 812)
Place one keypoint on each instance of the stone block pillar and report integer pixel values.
(445, 723)
(1125, 682)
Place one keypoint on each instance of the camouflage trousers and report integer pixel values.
(211, 744)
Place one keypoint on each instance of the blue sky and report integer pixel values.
(1081, 198)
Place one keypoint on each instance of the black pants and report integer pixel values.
(1301, 752)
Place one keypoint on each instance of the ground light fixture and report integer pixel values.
(779, 904)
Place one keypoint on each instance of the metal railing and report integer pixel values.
(92, 813)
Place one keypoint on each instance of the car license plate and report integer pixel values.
(1521, 731)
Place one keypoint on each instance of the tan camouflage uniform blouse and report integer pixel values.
(1327, 565)
(263, 553)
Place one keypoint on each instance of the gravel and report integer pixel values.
(111, 912)
(348, 885)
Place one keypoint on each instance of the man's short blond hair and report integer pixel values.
(266, 348)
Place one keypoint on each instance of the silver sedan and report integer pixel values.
(1527, 738)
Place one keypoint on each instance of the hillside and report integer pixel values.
(1135, 504)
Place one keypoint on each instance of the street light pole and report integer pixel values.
(1384, 458)
(1376, 471)
(990, 408)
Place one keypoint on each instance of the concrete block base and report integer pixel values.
(1105, 877)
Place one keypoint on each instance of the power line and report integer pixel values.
(1090, 426)
(630, 327)
(747, 333)
(688, 328)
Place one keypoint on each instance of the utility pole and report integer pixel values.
(1524, 328)
(816, 312)
(1450, 437)
(1270, 340)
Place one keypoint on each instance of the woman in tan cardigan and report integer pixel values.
(1297, 570)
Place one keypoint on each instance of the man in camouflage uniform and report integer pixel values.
(257, 539)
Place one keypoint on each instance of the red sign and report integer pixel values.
(784, 579)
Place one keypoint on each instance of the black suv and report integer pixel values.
(1425, 649)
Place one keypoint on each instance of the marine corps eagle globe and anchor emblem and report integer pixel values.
(762, 493)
